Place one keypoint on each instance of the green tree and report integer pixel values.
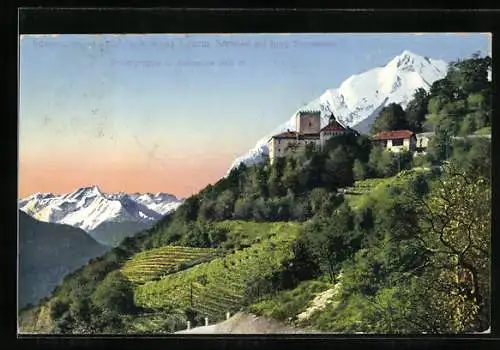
(319, 199)
(451, 115)
(331, 241)
(195, 235)
(480, 108)
(442, 88)
(114, 294)
(469, 75)
(290, 176)
(416, 110)
(391, 117)
(243, 208)
(274, 182)
(360, 171)
(474, 155)
(216, 235)
(283, 208)
(224, 205)
(58, 307)
(382, 163)
(261, 210)
(338, 169)
(468, 125)
(456, 231)
(440, 146)
(207, 209)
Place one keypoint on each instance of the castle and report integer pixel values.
(308, 131)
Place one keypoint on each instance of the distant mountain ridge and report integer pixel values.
(360, 98)
(108, 217)
(48, 252)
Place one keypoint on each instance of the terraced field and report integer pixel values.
(155, 263)
(362, 187)
(218, 286)
(359, 193)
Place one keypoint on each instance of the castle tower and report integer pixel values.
(333, 128)
(308, 122)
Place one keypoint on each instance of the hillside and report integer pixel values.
(47, 252)
(400, 241)
(218, 286)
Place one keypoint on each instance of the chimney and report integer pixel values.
(206, 321)
(227, 315)
(188, 325)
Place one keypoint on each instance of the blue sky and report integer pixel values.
(184, 98)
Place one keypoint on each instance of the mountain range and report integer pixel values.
(47, 252)
(360, 98)
(107, 217)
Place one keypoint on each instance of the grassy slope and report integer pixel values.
(286, 305)
(356, 194)
(219, 285)
(365, 190)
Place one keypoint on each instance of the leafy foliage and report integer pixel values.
(390, 118)
(423, 263)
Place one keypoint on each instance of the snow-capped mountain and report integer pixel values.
(162, 203)
(90, 209)
(359, 99)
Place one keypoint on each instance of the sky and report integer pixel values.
(169, 113)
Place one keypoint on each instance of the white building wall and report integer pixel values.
(408, 144)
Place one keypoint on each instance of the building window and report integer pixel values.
(279, 140)
(279, 150)
(309, 123)
(397, 142)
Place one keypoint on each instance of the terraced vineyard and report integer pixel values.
(219, 285)
(155, 263)
(359, 193)
(361, 187)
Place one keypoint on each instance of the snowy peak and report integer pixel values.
(409, 62)
(91, 191)
(89, 207)
(359, 99)
(407, 59)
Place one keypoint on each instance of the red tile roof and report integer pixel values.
(333, 126)
(393, 135)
